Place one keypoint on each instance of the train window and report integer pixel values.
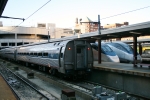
(39, 54)
(78, 50)
(55, 56)
(61, 55)
(45, 54)
(31, 53)
(58, 43)
(35, 54)
(27, 53)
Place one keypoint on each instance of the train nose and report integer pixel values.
(115, 58)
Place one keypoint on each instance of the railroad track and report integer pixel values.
(83, 87)
(23, 89)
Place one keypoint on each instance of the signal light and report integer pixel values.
(69, 48)
(88, 48)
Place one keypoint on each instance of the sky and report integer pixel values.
(64, 12)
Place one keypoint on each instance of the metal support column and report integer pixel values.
(140, 49)
(99, 41)
(48, 36)
(135, 50)
(35, 37)
(16, 39)
(99, 51)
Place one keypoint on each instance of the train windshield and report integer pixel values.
(128, 48)
(119, 46)
(106, 48)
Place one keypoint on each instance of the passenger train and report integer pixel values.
(70, 58)
(107, 54)
(124, 52)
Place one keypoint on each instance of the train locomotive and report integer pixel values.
(107, 54)
(124, 52)
(73, 58)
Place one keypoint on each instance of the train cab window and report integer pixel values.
(45, 54)
(40, 54)
(106, 49)
(129, 48)
(78, 50)
(118, 46)
(27, 53)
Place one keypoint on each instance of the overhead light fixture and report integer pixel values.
(135, 32)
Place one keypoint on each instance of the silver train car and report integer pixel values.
(124, 52)
(69, 58)
(107, 54)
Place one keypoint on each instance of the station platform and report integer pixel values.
(5, 91)
(123, 68)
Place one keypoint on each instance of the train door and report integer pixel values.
(61, 64)
(15, 53)
(61, 60)
(80, 57)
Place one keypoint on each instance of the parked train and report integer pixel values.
(124, 52)
(70, 58)
(107, 54)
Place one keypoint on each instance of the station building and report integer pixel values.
(18, 35)
(85, 25)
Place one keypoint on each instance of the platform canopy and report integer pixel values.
(2, 6)
(140, 29)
